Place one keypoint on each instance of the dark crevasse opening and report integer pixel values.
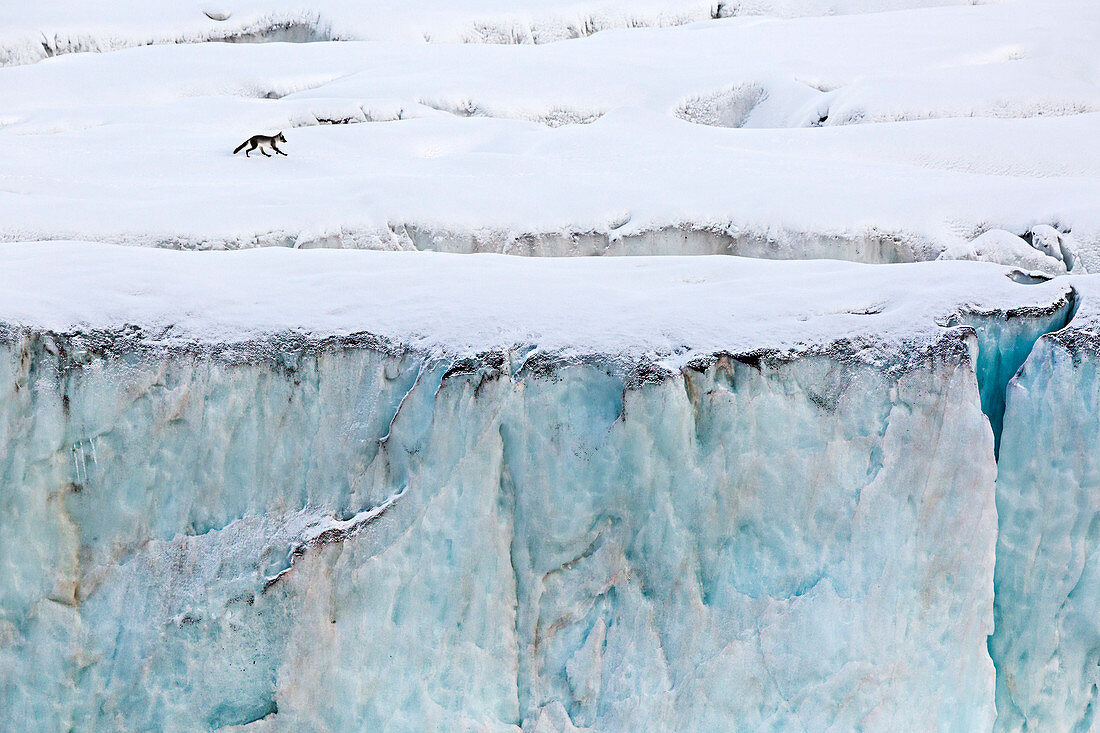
(1004, 343)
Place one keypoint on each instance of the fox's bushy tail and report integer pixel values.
(241, 147)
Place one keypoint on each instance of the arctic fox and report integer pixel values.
(259, 141)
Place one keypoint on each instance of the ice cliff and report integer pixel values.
(511, 505)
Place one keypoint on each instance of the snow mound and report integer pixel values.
(1044, 249)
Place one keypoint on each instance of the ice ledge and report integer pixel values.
(669, 309)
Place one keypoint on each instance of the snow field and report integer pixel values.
(939, 126)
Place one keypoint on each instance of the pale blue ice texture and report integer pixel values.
(1047, 643)
(797, 544)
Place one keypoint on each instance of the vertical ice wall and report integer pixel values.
(149, 498)
(756, 546)
(342, 535)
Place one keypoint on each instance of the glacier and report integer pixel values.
(783, 418)
(358, 530)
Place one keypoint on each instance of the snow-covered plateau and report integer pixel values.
(298, 443)
(962, 132)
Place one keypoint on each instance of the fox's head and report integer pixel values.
(280, 138)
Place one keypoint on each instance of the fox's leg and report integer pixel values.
(264, 152)
(251, 147)
(280, 152)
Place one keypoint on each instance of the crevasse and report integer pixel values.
(1046, 645)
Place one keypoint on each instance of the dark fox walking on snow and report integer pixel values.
(259, 141)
